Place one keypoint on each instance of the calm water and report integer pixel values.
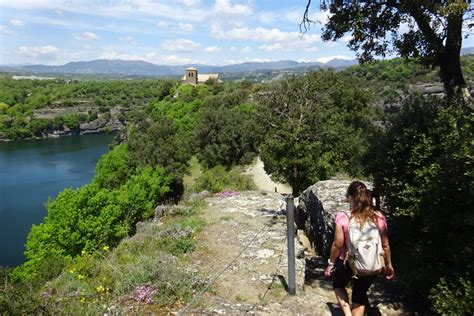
(33, 170)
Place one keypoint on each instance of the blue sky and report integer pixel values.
(216, 32)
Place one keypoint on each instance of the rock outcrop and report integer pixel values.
(317, 209)
(99, 125)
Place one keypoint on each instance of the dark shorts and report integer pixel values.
(342, 275)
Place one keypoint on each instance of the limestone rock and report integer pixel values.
(317, 209)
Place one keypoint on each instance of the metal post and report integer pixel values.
(290, 224)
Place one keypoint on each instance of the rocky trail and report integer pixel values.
(243, 249)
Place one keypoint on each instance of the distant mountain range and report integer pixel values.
(467, 50)
(143, 68)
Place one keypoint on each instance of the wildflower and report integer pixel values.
(144, 293)
(105, 248)
(228, 193)
(83, 299)
(100, 289)
(81, 276)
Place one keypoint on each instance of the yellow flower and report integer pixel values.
(80, 276)
(105, 248)
(100, 289)
(83, 299)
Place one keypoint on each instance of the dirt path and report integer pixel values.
(251, 224)
(243, 249)
(263, 181)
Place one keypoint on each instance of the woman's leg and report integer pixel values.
(357, 310)
(359, 294)
(341, 278)
(343, 300)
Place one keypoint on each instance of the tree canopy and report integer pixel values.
(432, 30)
(316, 126)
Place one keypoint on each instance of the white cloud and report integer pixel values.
(246, 49)
(329, 58)
(5, 30)
(129, 9)
(119, 55)
(278, 40)
(38, 51)
(130, 40)
(245, 60)
(188, 27)
(257, 34)
(86, 36)
(267, 17)
(296, 16)
(174, 60)
(226, 7)
(162, 24)
(180, 45)
(272, 48)
(346, 39)
(16, 22)
(212, 49)
(191, 3)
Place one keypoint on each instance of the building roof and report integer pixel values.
(191, 68)
(205, 77)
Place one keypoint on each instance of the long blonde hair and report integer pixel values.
(362, 208)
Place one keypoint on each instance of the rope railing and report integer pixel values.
(204, 290)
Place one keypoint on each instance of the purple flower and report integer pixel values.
(145, 292)
(228, 193)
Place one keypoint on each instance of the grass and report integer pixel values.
(151, 259)
(194, 172)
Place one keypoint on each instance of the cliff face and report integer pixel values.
(99, 125)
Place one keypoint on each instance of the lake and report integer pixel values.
(33, 170)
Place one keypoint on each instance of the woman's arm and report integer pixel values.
(389, 272)
(336, 247)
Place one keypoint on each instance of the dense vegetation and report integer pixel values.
(316, 125)
(21, 101)
(145, 168)
(423, 164)
(305, 129)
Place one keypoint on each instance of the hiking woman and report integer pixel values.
(361, 212)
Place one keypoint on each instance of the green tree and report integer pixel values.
(90, 218)
(435, 32)
(316, 126)
(160, 143)
(227, 136)
(113, 169)
(423, 166)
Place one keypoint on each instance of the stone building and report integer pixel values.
(191, 76)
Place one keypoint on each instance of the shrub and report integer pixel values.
(218, 179)
(453, 298)
(90, 218)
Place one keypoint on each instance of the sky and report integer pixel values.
(177, 32)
